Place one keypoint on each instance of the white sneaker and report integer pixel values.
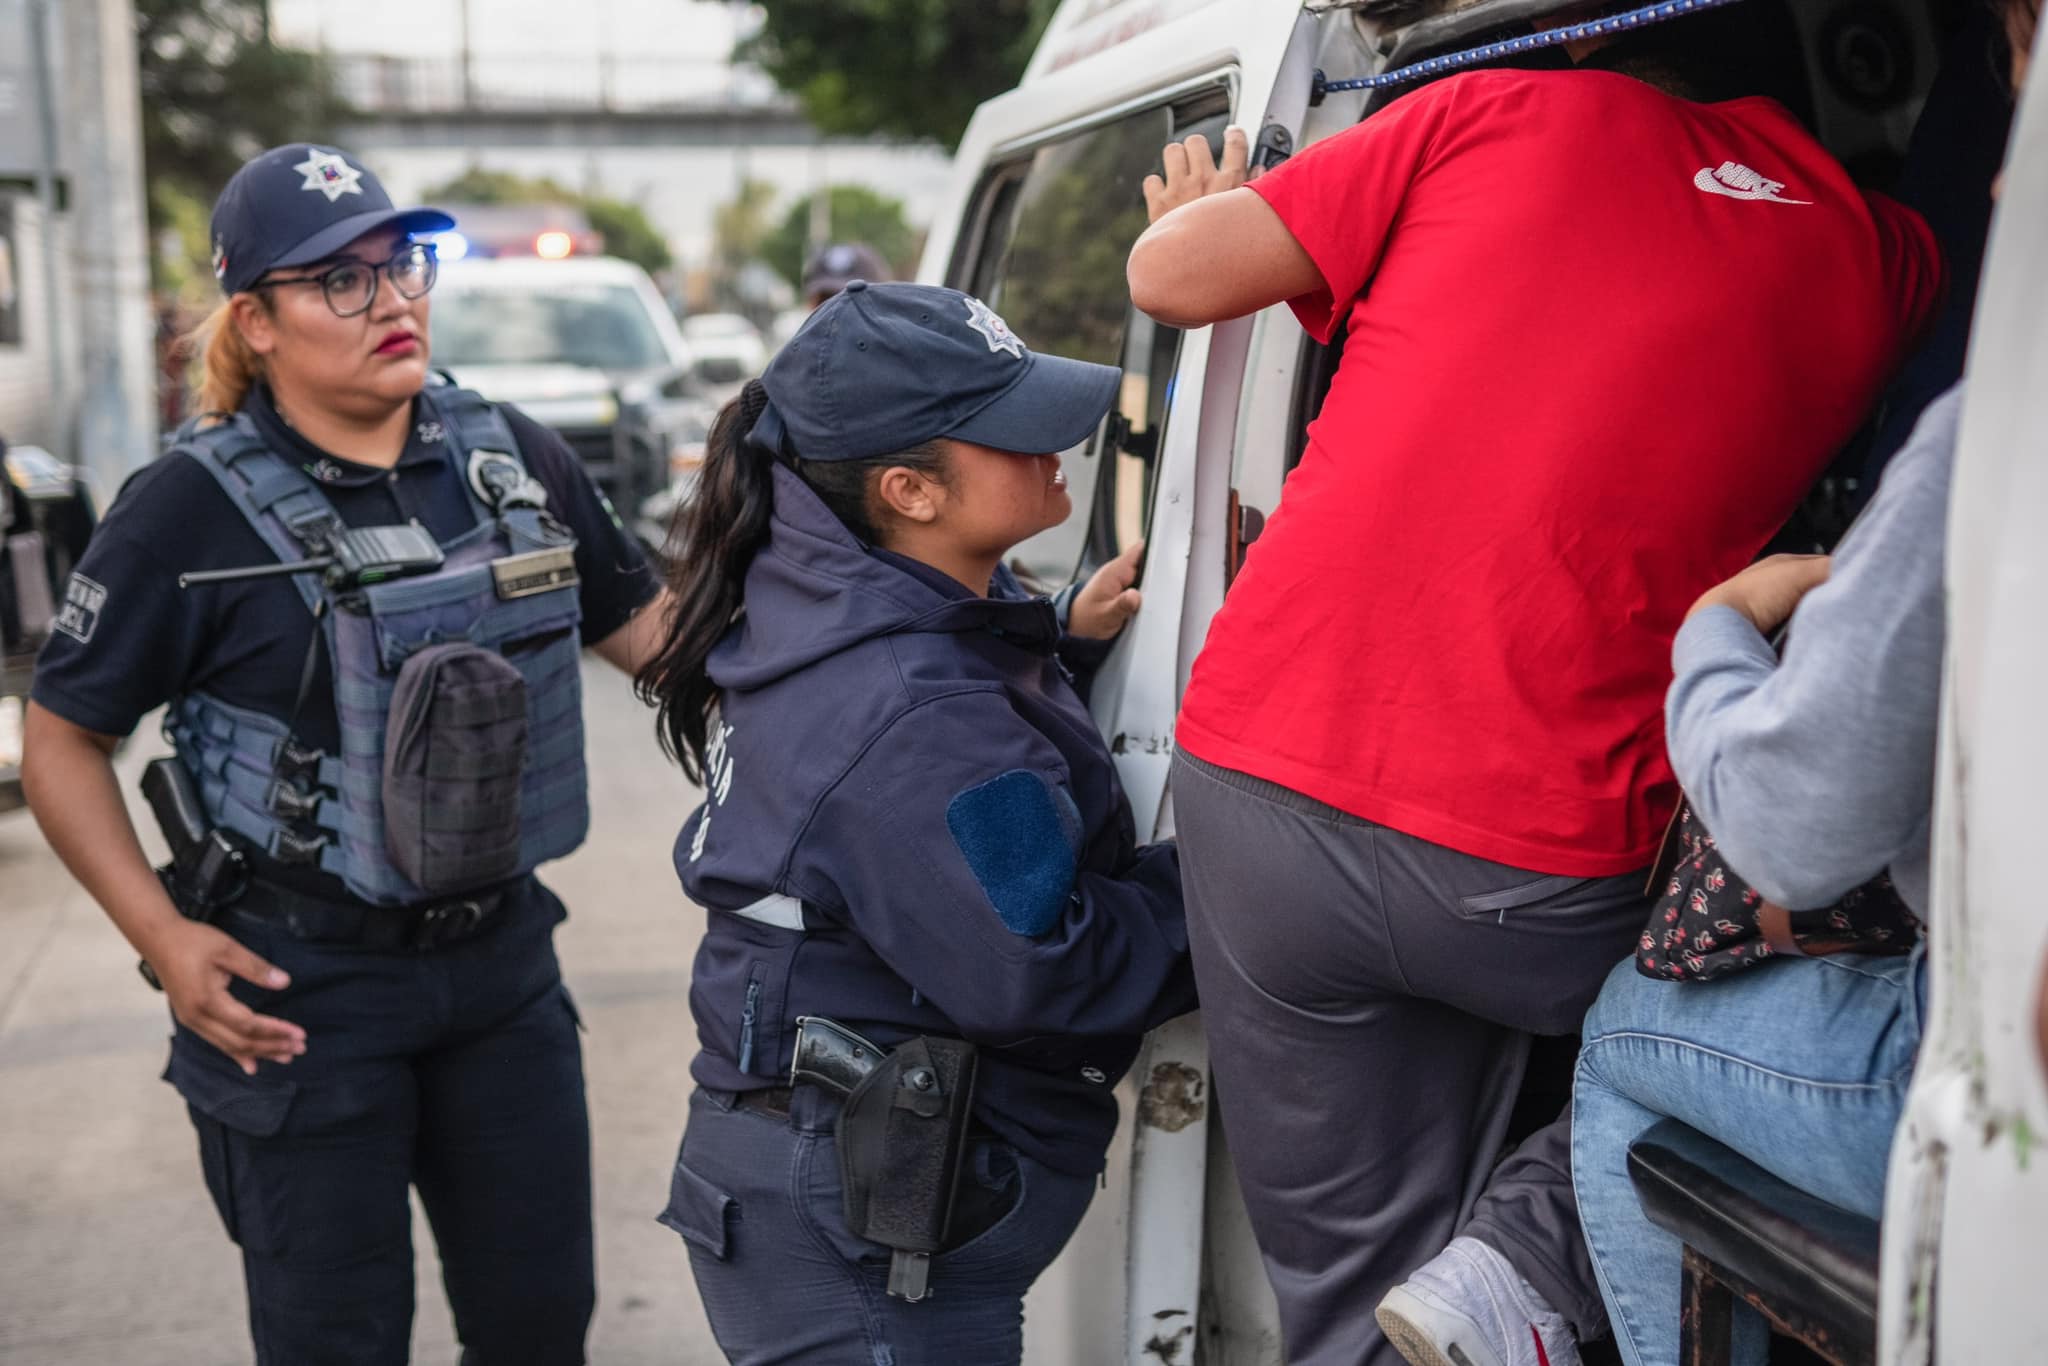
(1470, 1307)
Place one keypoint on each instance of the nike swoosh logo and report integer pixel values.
(1706, 180)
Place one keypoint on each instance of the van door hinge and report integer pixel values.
(1246, 522)
(1274, 146)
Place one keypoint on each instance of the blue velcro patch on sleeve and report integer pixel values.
(1011, 832)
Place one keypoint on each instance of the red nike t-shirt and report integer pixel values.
(1601, 342)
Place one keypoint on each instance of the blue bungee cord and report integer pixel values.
(1508, 47)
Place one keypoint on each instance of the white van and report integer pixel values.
(1045, 206)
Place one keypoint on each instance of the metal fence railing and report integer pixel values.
(379, 84)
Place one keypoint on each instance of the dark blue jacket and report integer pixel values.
(912, 826)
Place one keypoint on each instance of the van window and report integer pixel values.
(1045, 247)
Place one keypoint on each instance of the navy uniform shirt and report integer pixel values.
(130, 639)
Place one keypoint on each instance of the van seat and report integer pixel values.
(1808, 1266)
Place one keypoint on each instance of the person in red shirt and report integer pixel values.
(1598, 341)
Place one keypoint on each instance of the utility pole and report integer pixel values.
(110, 240)
(468, 62)
(43, 58)
(820, 227)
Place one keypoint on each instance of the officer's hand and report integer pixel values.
(195, 962)
(1191, 174)
(1107, 600)
(1768, 590)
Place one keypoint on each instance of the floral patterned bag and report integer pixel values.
(1708, 922)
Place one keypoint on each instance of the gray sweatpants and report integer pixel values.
(1370, 1000)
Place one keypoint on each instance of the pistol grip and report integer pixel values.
(831, 1056)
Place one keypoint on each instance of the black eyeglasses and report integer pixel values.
(350, 286)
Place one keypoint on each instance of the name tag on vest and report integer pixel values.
(537, 571)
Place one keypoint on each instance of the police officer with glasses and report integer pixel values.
(377, 738)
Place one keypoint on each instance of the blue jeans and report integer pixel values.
(457, 1072)
(1801, 1066)
(757, 1200)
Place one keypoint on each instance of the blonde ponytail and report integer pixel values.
(227, 367)
(2021, 17)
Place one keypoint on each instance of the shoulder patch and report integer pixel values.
(1018, 835)
(80, 615)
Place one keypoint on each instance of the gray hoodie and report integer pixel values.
(1817, 772)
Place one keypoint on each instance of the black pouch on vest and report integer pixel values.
(453, 751)
(902, 1135)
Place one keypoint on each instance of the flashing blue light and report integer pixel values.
(451, 246)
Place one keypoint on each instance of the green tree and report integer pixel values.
(740, 225)
(479, 186)
(913, 68)
(859, 214)
(215, 91)
(627, 232)
(187, 272)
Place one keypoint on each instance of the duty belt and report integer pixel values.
(362, 925)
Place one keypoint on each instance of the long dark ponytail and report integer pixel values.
(719, 529)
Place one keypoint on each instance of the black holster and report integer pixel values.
(902, 1136)
(208, 871)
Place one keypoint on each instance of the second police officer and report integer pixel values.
(384, 752)
(933, 939)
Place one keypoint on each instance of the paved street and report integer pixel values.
(109, 1248)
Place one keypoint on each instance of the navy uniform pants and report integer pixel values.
(757, 1199)
(455, 1070)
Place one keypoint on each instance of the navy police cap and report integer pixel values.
(880, 368)
(293, 205)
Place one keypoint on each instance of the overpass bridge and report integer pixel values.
(575, 101)
(677, 136)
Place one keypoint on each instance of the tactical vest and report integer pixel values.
(329, 810)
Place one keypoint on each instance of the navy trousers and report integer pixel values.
(757, 1199)
(456, 1070)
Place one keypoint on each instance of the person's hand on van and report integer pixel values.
(1108, 600)
(1191, 172)
(1768, 590)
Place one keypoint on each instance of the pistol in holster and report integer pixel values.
(902, 1137)
(207, 871)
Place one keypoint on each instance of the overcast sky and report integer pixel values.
(511, 28)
